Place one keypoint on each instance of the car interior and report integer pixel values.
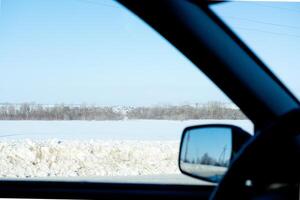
(254, 170)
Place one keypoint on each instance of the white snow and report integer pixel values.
(93, 148)
(93, 158)
(203, 170)
(106, 130)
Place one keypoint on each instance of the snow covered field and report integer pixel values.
(105, 130)
(93, 148)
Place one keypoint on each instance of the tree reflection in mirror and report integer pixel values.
(206, 152)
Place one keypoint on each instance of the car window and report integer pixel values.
(88, 91)
(272, 31)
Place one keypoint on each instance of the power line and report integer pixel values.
(245, 19)
(269, 32)
(262, 22)
(97, 3)
(275, 7)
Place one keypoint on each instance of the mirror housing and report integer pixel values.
(206, 151)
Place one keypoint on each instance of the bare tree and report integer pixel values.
(31, 111)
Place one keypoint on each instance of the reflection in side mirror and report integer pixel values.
(206, 151)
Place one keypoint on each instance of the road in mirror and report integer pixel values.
(206, 152)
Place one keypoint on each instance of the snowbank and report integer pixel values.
(203, 170)
(93, 148)
(54, 158)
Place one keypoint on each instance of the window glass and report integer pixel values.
(88, 91)
(272, 31)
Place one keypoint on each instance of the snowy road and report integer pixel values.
(178, 179)
(155, 179)
(106, 130)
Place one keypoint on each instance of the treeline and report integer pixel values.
(57, 112)
(83, 112)
(206, 159)
(213, 110)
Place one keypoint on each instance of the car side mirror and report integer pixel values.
(207, 150)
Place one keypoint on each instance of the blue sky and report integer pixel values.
(272, 31)
(97, 52)
(212, 141)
